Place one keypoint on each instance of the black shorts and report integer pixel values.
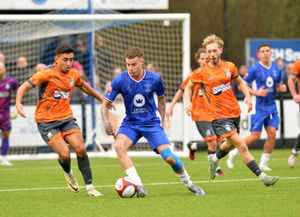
(226, 127)
(206, 130)
(50, 131)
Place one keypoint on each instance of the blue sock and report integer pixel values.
(4, 147)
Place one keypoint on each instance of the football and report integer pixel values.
(126, 187)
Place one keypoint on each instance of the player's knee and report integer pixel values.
(119, 148)
(81, 151)
(243, 149)
(171, 159)
(65, 156)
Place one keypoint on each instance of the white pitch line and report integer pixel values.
(161, 183)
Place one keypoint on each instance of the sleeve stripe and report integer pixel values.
(108, 100)
(32, 84)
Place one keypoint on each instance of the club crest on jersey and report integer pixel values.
(269, 82)
(208, 132)
(7, 86)
(227, 127)
(71, 82)
(227, 72)
(139, 100)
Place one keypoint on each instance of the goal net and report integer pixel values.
(100, 40)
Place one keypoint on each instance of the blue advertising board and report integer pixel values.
(286, 49)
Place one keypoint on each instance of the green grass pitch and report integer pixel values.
(38, 188)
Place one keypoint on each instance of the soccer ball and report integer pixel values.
(126, 187)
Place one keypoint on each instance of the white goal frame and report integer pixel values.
(183, 17)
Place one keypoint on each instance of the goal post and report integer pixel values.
(165, 39)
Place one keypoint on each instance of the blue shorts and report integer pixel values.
(264, 118)
(154, 134)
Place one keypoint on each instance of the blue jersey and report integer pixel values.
(268, 77)
(138, 96)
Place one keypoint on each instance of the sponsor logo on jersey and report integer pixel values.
(139, 100)
(61, 94)
(4, 94)
(219, 89)
(200, 93)
(147, 87)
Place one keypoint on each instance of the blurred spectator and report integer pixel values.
(117, 70)
(2, 57)
(81, 54)
(280, 62)
(48, 54)
(286, 75)
(104, 63)
(38, 67)
(78, 96)
(153, 68)
(243, 69)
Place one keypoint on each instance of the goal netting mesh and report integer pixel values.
(100, 42)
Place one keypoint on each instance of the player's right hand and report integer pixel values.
(188, 109)
(169, 112)
(20, 110)
(262, 92)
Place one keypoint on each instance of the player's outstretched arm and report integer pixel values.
(292, 87)
(175, 99)
(92, 92)
(188, 90)
(105, 117)
(281, 87)
(20, 94)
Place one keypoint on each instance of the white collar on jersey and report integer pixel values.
(265, 66)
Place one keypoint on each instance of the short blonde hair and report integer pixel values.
(213, 39)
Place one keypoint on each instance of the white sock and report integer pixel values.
(294, 151)
(185, 178)
(88, 187)
(71, 172)
(235, 152)
(194, 146)
(265, 157)
(132, 173)
(215, 159)
(262, 176)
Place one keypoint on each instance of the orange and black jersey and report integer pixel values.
(55, 90)
(296, 72)
(200, 107)
(217, 89)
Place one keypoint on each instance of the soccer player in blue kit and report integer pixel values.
(268, 79)
(138, 87)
